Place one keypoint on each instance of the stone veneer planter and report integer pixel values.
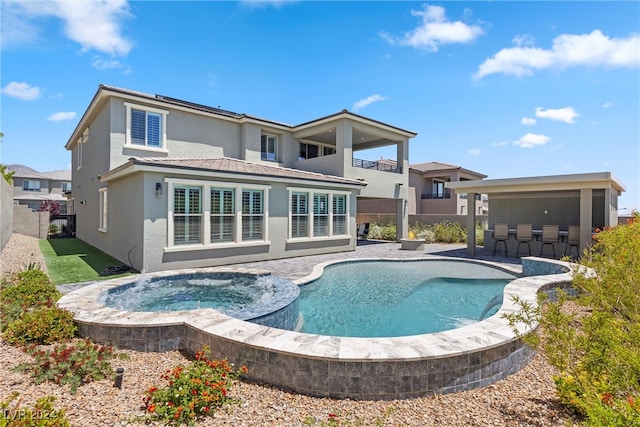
(356, 368)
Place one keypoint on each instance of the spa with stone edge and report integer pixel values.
(253, 319)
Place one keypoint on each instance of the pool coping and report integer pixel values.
(250, 343)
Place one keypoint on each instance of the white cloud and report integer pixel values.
(500, 144)
(264, 3)
(368, 101)
(474, 152)
(528, 121)
(61, 116)
(523, 40)
(105, 64)
(608, 104)
(568, 50)
(435, 30)
(95, 24)
(567, 114)
(21, 90)
(532, 140)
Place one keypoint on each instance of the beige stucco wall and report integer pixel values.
(6, 212)
(30, 223)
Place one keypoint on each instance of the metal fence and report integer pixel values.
(62, 226)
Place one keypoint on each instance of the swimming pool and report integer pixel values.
(318, 365)
(392, 299)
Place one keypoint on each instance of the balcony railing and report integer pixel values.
(430, 196)
(381, 166)
(465, 196)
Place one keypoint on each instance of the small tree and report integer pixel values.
(49, 206)
(7, 174)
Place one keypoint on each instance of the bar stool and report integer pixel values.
(524, 234)
(550, 235)
(501, 234)
(573, 240)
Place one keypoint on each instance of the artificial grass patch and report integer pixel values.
(72, 261)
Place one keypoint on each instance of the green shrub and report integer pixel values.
(23, 292)
(383, 232)
(42, 414)
(594, 340)
(45, 325)
(450, 232)
(195, 390)
(73, 364)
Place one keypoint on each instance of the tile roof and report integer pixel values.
(233, 166)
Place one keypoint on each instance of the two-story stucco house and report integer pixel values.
(162, 183)
(31, 187)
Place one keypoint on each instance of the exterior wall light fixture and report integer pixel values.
(158, 189)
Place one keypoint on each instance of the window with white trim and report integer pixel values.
(145, 127)
(269, 147)
(211, 214)
(320, 215)
(187, 215)
(30, 185)
(223, 214)
(299, 215)
(81, 141)
(66, 187)
(339, 214)
(252, 215)
(103, 209)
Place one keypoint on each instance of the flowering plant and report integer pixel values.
(197, 389)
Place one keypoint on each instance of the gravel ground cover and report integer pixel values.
(526, 398)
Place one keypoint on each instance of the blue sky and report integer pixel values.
(508, 89)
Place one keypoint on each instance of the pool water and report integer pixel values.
(225, 292)
(391, 298)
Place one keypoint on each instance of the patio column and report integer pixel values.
(344, 146)
(402, 219)
(586, 217)
(471, 224)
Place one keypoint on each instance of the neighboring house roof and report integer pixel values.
(57, 197)
(58, 175)
(439, 167)
(223, 165)
(22, 171)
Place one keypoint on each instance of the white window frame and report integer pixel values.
(206, 187)
(66, 184)
(81, 141)
(104, 209)
(128, 143)
(267, 154)
(221, 215)
(27, 185)
(344, 215)
(311, 193)
(248, 218)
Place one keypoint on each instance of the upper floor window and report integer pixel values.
(28, 185)
(81, 141)
(269, 147)
(146, 127)
(66, 187)
(310, 151)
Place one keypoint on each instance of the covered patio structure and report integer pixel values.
(589, 200)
